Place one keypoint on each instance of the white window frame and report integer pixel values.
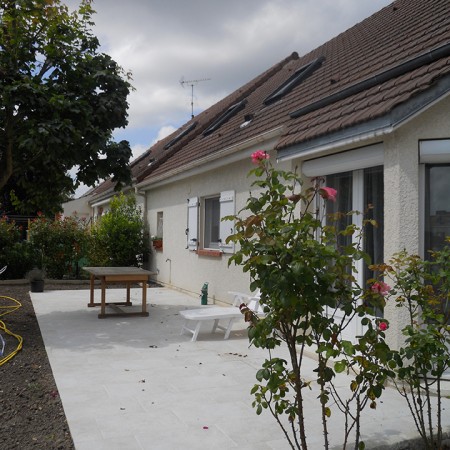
(196, 213)
(207, 227)
(431, 151)
(354, 161)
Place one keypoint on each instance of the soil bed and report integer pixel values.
(31, 413)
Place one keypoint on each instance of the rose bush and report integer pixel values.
(304, 277)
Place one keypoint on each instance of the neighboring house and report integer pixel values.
(79, 207)
(369, 111)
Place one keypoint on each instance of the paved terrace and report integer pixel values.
(136, 383)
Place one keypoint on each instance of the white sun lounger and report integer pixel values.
(193, 318)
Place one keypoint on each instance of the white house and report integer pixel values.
(369, 110)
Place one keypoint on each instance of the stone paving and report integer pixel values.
(137, 384)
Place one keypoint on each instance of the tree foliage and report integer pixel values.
(60, 100)
(119, 238)
(59, 245)
(15, 253)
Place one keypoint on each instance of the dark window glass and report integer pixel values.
(437, 206)
(212, 222)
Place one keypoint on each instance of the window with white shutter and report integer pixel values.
(192, 223)
(226, 226)
(211, 233)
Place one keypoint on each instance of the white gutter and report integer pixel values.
(265, 141)
(374, 134)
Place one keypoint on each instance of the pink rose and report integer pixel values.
(259, 156)
(382, 326)
(380, 287)
(328, 193)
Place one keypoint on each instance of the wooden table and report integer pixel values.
(123, 275)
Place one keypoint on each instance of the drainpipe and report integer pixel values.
(139, 193)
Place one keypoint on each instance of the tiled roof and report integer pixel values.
(198, 145)
(394, 38)
(364, 73)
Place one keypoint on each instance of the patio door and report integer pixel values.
(359, 190)
(357, 175)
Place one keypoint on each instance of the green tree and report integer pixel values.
(119, 238)
(60, 100)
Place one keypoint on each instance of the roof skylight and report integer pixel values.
(230, 112)
(180, 136)
(294, 80)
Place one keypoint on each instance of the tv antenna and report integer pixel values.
(192, 83)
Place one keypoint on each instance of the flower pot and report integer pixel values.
(158, 244)
(37, 286)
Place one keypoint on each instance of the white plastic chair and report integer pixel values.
(193, 318)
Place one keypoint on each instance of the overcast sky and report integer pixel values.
(225, 42)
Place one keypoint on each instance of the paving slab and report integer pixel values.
(137, 383)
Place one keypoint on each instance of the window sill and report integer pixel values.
(211, 253)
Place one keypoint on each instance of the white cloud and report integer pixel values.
(229, 42)
(164, 132)
(138, 150)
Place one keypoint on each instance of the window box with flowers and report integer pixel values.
(157, 243)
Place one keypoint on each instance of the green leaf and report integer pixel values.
(340, 366)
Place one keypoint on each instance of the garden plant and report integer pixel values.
(15, 253)
(59, 245)
(294, 258)
(422, 289)
(119, 237)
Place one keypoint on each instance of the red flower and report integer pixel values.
(259, 156)
(380, 287)
(383, 326)
(328, 193)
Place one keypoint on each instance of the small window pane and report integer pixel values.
(160, 224)
(437, 211)
(212, 222)
(342, 182)
(437, 221)
(374, 210)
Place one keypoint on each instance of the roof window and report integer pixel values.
(230, 112)
(298, 76)
(247, 120)
(180, 136)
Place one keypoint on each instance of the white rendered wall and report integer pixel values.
(403, 214)
(402, 192)
(185, 269)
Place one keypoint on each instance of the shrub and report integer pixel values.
(422, 290)
(303, 275)
(60, 244)
(16, 254)
(118, 238)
